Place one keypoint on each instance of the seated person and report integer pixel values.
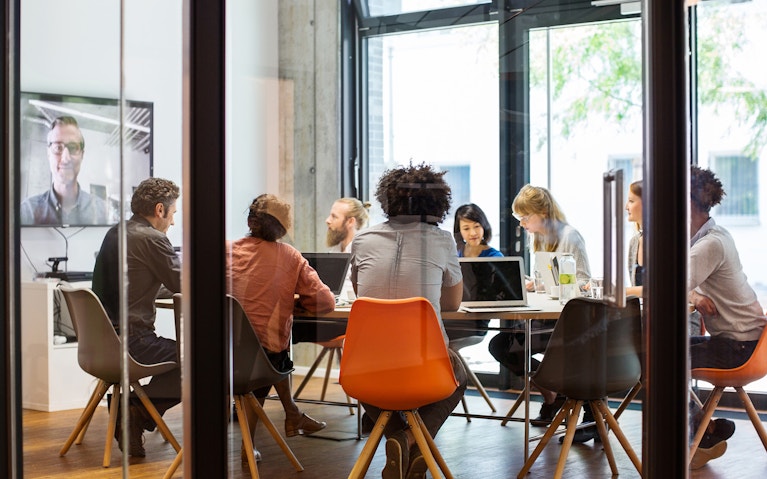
(472, 232)
(728, 305)
(541, 216)
(409, 255)
(264, 275)
(347, 216)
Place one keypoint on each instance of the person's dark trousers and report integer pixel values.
(165, 389)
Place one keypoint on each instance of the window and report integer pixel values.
(739, 175)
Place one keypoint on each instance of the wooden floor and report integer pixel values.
(480, 449)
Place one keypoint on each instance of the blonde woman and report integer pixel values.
(540, 215)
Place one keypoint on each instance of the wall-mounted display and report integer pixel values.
(72, 158)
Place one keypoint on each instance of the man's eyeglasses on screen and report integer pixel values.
(57, 148)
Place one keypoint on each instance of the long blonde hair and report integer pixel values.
(536, 200)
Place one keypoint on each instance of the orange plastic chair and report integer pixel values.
(396, 359)
(753, 369)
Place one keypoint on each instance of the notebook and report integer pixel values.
(494, 284)
(331, 267)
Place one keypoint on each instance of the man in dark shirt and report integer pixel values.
(152, 264)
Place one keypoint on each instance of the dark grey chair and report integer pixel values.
(594, 351)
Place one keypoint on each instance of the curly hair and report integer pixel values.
(416, 191)
(152, 191)
(268, 218)
(706, 190)
(473, 213)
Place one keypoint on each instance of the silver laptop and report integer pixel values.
(547, 266)
(494, 284)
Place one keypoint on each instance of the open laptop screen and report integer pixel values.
(493, 281)
(331, 267)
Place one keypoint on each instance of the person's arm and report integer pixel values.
(634, 291)
(451, 297)
(705, 257)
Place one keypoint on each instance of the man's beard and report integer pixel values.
(335, 236)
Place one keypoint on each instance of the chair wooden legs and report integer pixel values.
(81, 426)
(255, 406)
(423, 438)
(174, 465)
(155, 415)
(710, 407)
(113, 408)
(571, 410)
(313, 368)
(753, 415)
(247, 439)
(477, 384)
(514, 408)
(426, 444)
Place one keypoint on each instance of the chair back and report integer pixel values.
(753, 369)
(395, 355)
(594, 350)
(251, 367)
(177, 313)
(98, 345)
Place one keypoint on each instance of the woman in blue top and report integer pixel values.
(472, 232)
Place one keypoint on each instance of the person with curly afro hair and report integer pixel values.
(409, 255)
(719, 291)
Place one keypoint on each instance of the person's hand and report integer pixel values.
(530, 285)
(703, 304)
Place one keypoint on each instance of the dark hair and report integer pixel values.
(152, 191)
(474, 213)
(268, 218)
(706, 190)
(414, 191)
(68, 120)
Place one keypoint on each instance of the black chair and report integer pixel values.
(594, 351)
(251, 369)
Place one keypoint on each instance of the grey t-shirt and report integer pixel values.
(399, 259)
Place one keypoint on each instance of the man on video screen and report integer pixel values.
(65, 203)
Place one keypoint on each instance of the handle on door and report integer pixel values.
(614, 280)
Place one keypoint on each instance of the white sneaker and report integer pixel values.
(702, 456)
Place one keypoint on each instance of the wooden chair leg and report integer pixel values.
(431, 454)
(310, 373)
(514, 408)
(155, 415)
(465, 408)
(85, 418)
(174, 465)
(566, 410)
(602, 430)
(624, 442)
(273, 431)
(247, 440)
(572, 425)
(362, 464)
(327, 372)
(708, 412)
(475, 380)
(627, 400)
(111, 425)
(348, 399)
(752, 414)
